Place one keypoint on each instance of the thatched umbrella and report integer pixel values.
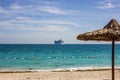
(111, 32)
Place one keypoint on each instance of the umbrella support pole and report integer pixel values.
(113, 45)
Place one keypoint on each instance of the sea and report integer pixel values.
(52, 57)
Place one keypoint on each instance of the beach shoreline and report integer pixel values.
(61, 75)
(53, 62)
(58, 70)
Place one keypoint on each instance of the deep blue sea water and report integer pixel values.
(51, 56)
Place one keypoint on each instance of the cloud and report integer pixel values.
(23, 20)
(28, 22)
(3, 11)
(45, 28)
(24, 23)
(54, 28)
(106, 5)
(46, 9)
(15, 7)
(4, 23)
(53, 10)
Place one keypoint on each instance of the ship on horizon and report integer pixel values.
(58, 41)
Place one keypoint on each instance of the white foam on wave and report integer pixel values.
(62, 69)
(84, 68)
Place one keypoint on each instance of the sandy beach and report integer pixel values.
(63, 75)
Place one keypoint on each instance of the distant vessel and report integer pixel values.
(58, 41)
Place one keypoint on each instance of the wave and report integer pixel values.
(86, 69)
(61, 69)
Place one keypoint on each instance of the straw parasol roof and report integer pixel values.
(111, 32)
(105, 34)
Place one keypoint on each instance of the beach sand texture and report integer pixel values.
(47, 75)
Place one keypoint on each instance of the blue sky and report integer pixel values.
(43, 21)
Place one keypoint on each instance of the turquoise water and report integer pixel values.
(51, 57)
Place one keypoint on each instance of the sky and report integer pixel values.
(43, 21)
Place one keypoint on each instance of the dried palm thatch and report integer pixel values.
(111, 32)
(105, 34)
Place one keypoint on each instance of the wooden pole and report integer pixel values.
(113, 45)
